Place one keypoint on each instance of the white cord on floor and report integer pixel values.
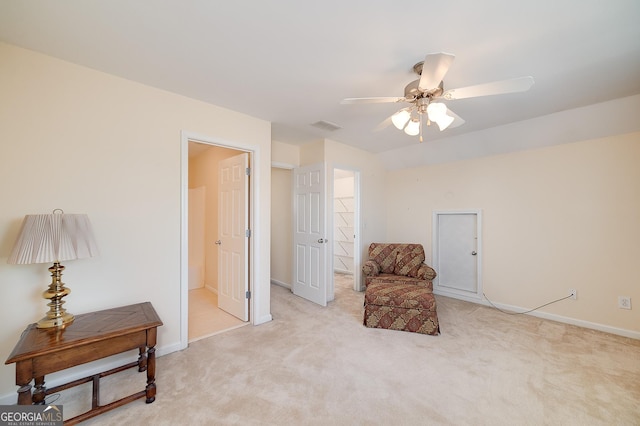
(525, 312)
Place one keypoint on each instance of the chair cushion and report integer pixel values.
(397, 279)
(408, 260)
(426, 272)
(370, 268)
(400, 295)
(384, 255)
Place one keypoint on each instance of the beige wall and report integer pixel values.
(88, 142)
(312, 153)
(282, 226)
(284, 157)
(285, 154)
(555, 218)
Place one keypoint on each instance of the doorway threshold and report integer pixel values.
(196, 338)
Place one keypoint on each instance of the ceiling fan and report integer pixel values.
(423, 93)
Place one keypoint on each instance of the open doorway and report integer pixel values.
(205, 318)
(346, 238)
(343, 235)
(282, 225)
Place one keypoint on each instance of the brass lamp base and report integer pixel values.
(57, 316)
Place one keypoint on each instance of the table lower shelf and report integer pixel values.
(96, 408)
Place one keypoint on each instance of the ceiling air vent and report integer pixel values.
(325, 125)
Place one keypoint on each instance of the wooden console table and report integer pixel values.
(89, 337)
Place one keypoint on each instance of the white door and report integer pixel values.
(233, 238)
(309, 238)
(456, 254)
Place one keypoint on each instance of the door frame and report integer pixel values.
(445, 291)
(253, 152)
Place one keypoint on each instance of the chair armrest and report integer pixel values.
(426, 272)
(370, 268)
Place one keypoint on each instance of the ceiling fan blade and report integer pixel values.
(457, 121)
(521, 84)
(389, 120)
(383, 124)
(375, 100)
(434, 68)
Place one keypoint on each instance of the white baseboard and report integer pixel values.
(211, 288)
(263, 319)
(10, 399)
(553, 317)
(281, 284)
(468, 297)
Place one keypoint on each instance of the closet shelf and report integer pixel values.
(343, 233)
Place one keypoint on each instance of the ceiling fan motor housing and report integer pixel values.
(413, 92)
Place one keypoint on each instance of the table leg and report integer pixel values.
(40, 391)
(151, 375)
(142, 359)
(24, 395)
(23, 379)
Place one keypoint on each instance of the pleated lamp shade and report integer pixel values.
(55, 237)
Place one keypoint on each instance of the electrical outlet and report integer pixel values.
(574, 293)
(624, 302)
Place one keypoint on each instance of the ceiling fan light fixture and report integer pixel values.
(400, 118)
(444, 122)
(413, 128)
(436, 111)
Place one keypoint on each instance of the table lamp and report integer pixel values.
(54, 237)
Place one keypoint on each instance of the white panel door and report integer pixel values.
(196, 237)
(233, 241)
(456, 256)
(309, 238)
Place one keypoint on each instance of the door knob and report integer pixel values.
(322, 240)
(218, 242)
(473, 253)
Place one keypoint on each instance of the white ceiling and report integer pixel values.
(291, 62)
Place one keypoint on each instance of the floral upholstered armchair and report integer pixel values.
(397, 264)
(399, 289)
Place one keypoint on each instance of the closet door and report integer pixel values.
(456, 254)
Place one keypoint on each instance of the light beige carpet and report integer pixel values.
(320, 366)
